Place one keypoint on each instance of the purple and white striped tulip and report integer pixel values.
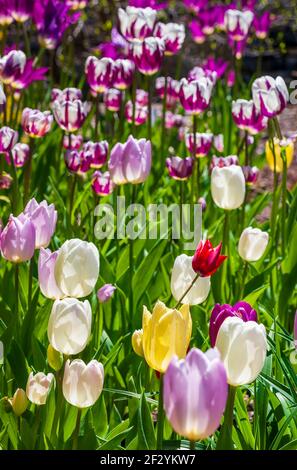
(270, 95)
(99, 73)
(148, 55)
(136, 23)
(203, 144)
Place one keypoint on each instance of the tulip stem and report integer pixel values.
(97, 99)
(133, 97)
(160, 424)
(186, 292)
(27, 175)
(131, 258)
(225, 438)
(163, 134)
(16, 288)
(275, 182)
(284, 201)
(76, 431)
(149, 122)
(244, 275)
(72, 193)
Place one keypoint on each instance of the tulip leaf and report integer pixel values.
(146, 432)
(9, 421)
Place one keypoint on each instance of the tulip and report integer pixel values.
(2, 99)
(207, 259)
(252, 244)
(195, 95)
(207, 19)
(250, 174)
(100, 73)
(78, 162)
(55, 359)
(241, 310)
(77, 268)
(8, 139)
(238, 23)
(231, 78)
(102, 183)
(137, 338)
(20, 154)
(198, 72)
(69, 325)
(173, 35)
(219, 66)
(105, 292)
(97, 153)
(123, 73)
(72, 141)
(173, 120)
(67, 94)
(70, 115)
(36, 123)
(112, 100)
(261, 25)
(148, 55)
(46, 274)
(12, 65)
(179, 168)
(141, 113)
(136, 23)
(218, 142)
(243, 347)
(183, 276)
(19, 402)
(82, 383)
(247, 117)
(270, 95)
(172, 88)
(223, 161)
(17, 240)
(44, 219)
(166, 333)
(195, 394)
(197, 34)
(38, 387)
(5, 180)
(284, 145)
(203, 144)
(228, 187)
(130, 162)
(142, 97)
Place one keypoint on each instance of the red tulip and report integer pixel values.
(207, 259)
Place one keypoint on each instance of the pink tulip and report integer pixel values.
(17, 240)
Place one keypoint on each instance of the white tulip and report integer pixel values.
(82, 383)
(38, 387)
(77, 268)
(252, 244)
(69, 325)
(228, 186)
(181, 279)
(243, 347)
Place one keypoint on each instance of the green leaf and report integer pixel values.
(146, 432)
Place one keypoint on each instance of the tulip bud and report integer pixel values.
(197, 34)
(44, 219)
(195, 394)
(243, 347)
(46, 274)
(54, 358)
(207, 259)
(166, 333)
(38, 387)
(105, 292)
(17, 240)
(69, 325)
(8, 139)
(36, 123)
(19, 402)
(286, 146)
(228, 187)
(142, 97)
(82, 383)
(102, 184)
(12, 66)
(137, 346)
(252, 244)
(97, 153)
(78, 162)
(182, 277)
(77, 268)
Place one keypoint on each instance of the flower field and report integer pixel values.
(148, 234)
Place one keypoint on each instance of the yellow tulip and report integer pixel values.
(166, 333)
(287, 145)
(137, 342)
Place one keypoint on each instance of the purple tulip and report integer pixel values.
(17, 240)
(5, 180)
(251, 174)
(172, 90)
(270, 95)
(173, 35)
(44, 219)
(141, 113)
(72, 141)
(99, 73)
(102, 183)
(130, 162)
(261, 25)
(105, 292)
(195, 95)
(207, 18)
(22, 10)
(142, 97)
(218, 66)
(46, 274)
(237, 47)
(77, 162)
(136, 23)
(238, 23)
(113, 99)
(70, 115)
(18, 72)
(123, 73)
(97, 153)
(179, 168)
(173, 120)
(195, 393)
(246, 116)
(231, 78)
(8, 139)
(197, 34)
(219, 314)
(148, 55)
(198, 72)
(36, 123)
(20, 154)
(5, 15)
(203, 144)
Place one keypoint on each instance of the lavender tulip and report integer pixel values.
(148, 55)
(105, 292)
(270, 95)
(17, 240)
(20, 154)
(96, 153)
(130, 162)
(219, 313)
(99, 73)
(46, 274)
(123, 73)
(8, 139)
(247, 117)
(102, 183)
(203, 144)
(195, 96)
(44, 219)
(136, 23)
(179, 168)
(195, 394)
